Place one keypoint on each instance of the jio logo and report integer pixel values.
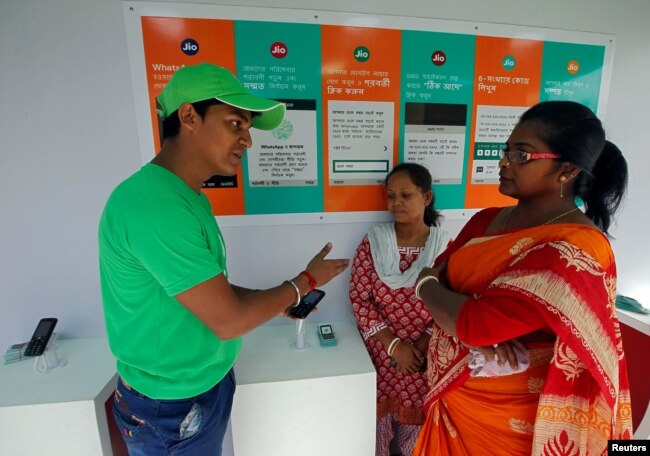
(438, 58)
(573, 67)
(508, 62)
(361, 54)
(278, 50)
(189, 46)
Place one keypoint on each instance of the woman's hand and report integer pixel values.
(408, 359)
(323, 270)
(503, 352)
(422, 344)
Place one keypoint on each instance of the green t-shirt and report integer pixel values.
(158, 238)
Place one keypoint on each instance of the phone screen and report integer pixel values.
(312, 297)
(43, 329)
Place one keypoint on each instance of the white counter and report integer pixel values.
(638, 321)
(61, 412)
(320, 401)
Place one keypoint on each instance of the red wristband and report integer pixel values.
(310, 279)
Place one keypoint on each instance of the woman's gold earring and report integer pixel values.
(562, 179)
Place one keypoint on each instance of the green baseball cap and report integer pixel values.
(204, 81)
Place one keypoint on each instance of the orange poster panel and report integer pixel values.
(507, 74)
(360, 70)
(171, 43)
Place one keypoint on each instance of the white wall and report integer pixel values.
(68, 136)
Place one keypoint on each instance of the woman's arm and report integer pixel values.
(443, 304)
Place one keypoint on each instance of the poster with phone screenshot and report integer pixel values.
(363, 93)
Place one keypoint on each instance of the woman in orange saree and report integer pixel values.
(544, 272)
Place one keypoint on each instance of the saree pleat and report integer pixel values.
(497, 413)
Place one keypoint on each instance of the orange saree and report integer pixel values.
(575, 396)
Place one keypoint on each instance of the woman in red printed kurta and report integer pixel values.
(394, 324)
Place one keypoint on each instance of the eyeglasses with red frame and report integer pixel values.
(518, 157)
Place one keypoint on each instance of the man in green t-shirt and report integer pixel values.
(173, 320)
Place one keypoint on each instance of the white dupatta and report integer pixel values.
(385, 254)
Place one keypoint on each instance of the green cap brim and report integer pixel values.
(270, 112)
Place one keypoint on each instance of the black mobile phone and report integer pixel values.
(41, 337)
(307, 304)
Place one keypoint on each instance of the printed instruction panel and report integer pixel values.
(362, 99)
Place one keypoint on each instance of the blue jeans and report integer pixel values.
(194, 426)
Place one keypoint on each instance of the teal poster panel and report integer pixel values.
(572, 72)
(436, 94)
(283, 171)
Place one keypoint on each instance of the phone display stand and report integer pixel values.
(49, 360)
(300, 344)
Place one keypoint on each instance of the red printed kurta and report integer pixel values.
(377, 306)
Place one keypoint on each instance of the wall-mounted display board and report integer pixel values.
(363, 93)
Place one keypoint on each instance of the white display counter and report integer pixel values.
(63, 411)
(320, 401)
(640, 322)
